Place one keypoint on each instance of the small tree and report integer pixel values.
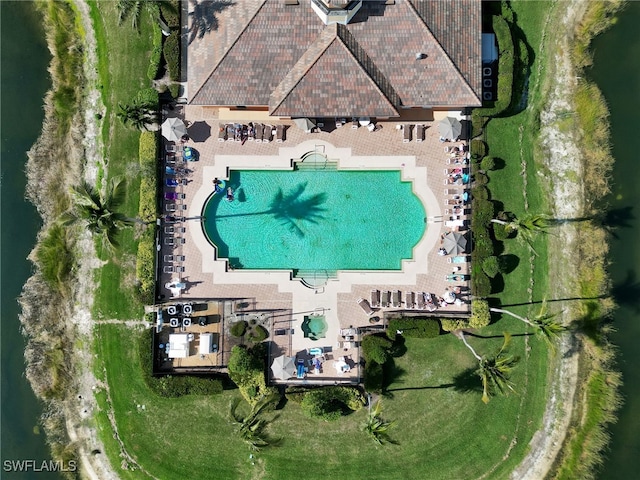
(376, 427)
(251, 427)
(527, 226)
(488, 163)
(544, 324)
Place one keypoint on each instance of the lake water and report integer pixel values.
(24, 80)
(617, 72)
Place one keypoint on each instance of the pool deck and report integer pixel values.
(423, 163)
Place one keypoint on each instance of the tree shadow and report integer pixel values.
(398, 349)
(467, 381)
(627, 292)
(497, 283)
(610, 220)
(508, 262)
(204, 17)
(499, 163)
(477, 335)
(292, 209)
(391, 373)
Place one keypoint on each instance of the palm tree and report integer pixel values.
(377, 427)
(494, 371)
(141, 116)
(527, 226)
(98, 212)
(544, 324)
(251, 427)
(132, 9)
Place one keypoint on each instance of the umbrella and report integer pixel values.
(305, 124)
(450, 128)
(173, 129)
(283, 367)
(454, 242)
(199, 131)
(449, 296)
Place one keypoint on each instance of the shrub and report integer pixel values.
(482, 246)
(174, 89)
(246, 369)
(156, 53)
(147, 210)
(171, 52)
(55, 257)
(478, 149)
(376, 347)
(295, 394)
(149, 97)
(480, 316)
(258, 334)
(501, 232)
(373, 376)
(488, 163)
(330, 403)
(451, 324)
(480, 179)
(417, 327)
(490, 266)
(238, 329)
(480, 284)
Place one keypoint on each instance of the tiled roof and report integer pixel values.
(330, 80)
(285, 57)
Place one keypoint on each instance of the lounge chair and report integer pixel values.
(386, 298)
(430, 302)
(258, 129)
(364, 304)
(174, 196)
(222, 133)
(267, 134)
(171, 148)
(419, 300)
(375, 298)
(230, 132)
(451, 191)
(396, 299)
(339, 123)
(419, 133)
(169, 241)
(168, 258)
(408, 300)
(169, 230)
(168, 269)
(354, 123)
(406, 133)
(458, 259)
(279, 133)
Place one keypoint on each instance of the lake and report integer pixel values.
(24, 80)
(616, 70)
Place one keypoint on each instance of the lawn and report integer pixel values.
(443, 429)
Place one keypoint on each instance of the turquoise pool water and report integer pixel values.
(316, 220)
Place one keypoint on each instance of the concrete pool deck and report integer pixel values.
(422, 163)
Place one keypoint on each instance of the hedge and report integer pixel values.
(258, 334)
(480, 316)
(373, 377)
(451, 324)
(147, 210)
(480, 283)
(417, 327)
(490, 266)
(376, 347)
(156, 53)
(247, 370)
(171, 52)
(171, 385)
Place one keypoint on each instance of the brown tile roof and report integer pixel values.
(285, 57)
(333, 79)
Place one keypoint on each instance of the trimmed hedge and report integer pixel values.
(480, 283)
(451, 324)
(417, 327)
(147, 210)
(488, 163)
(490, 266)
(156, 53)
(171, 51)
(170, 385)
(258, 334)
(373, 377)
(478, 149)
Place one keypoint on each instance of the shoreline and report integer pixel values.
(77, 409)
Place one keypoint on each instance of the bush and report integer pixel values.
(480, 315)
(480, 284)
(480, 179)
(488, 163)
(156, 53)
(54, 254)
(238, 329)
(451, 324)
(171, 52)
(417, 327)
(149, 97)
(174, 89)
(246, 369)
(376, 347)
(330, 403)
(258, 334)
(490, 266)
(501, 232)
(295, 394)
(373, 377)
(478, 149)
(482, 244)
(147, 211)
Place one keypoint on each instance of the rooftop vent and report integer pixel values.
(331, 13)
(291, 2)
(420, 56)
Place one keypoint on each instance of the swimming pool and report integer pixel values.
(315, 220)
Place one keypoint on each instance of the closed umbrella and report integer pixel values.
(305, 124)
(454, 243)
(173, 129)
(450, 128)
(283, 367)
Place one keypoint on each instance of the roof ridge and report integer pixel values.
(308, 59)
(413, 9)
(229, 49)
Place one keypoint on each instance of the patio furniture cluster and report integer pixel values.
(408, 132)
(252, 132)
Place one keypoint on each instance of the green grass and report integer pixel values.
(121, 77)
(458, 435)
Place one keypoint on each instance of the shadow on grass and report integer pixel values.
(467, 381)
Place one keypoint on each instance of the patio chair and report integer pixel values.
(258, 129)
(406, 133)
(230, 132)
(279, 133)
(338, 123)
(386, 298)
(171, 147)
(169, 230)
(364, 304)
(408, 300)
(222, 133)
(168, 258)
(168, 269)
(267, 134)
(375, 298)
(354, 123)
(419, 296)
(419, 133)
(396, 299)
(180, 258)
